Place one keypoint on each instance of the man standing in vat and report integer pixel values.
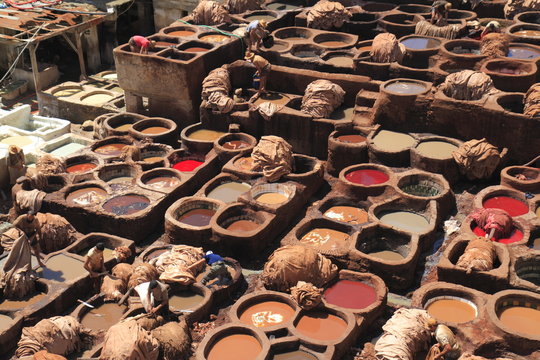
(263, 70)
(439, 12)
(256, 32)
(154, 297)
(30, 226)
(218, 269)
(95, 264)
(447, 346)
(140, 44)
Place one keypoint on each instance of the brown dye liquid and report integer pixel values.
(267, 18)
(271, 198)
(124, 127)
(405, 220)
(273, 97)
(165, 43)
(342, 113)
(87, 196)
(126, 204)
(436, 149)
(205, 135)
(180, 33)
(195, 49)
(103, 317)
(404, 87)
(245, 163)
(6, 304)
(325, 239)
(532, 33)
(364, 48)
(236, 145)
(267, 313)
(152, 159)
(5, 322)
(387, 255)
(237, 347)
(340, 61)
(62, 268)
(110, 149)
(163, 182)
(185, 300)
(78, 168)
(333, 43)
(243, 226)
(392, 141)
(215, 38)
(522, 319)
(353, 139)
(451, 310)
(348, 214)
(295, 355)
(319, 325)
(155, 130)
(197, 217)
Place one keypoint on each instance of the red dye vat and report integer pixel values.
(512, 206)
(187, 165)
(350, 294)
(367, 177)
(515, 236)
(77, 168)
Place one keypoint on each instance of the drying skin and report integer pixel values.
(386, 48)
(306, 295)
(426, 28)
(210, 13)
(327, 15)
(495, 45)
(216, 88)
(321, 98)
(467, 85)
(477, 159)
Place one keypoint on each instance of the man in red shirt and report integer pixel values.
(140, 44)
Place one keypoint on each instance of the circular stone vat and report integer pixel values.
(266, 311)
(350, 294)
(66, 91)
(5, 322)
(511, 75)
(273, 97)
(321, 325)
(154, 154)
(236, 142)
(333, 40)
(214, 37)
(451, 309)
(436, 149)
(111, 146)
(511, 205)
(408, 87)
(511, 102)
(81, 164)
(342, 210)
(415, 9)
(385, 245)
(186, 299)
(523, 52)
(366, 175)
(391, 141)
(339, 58)
(404, 220)
(357, 138)
(195, 47)
(400, 24)
(272, 194)
(465, 49)
(284, 6)
(519, 176)
(324, 235)
(119, 124)
(528, 269)
(226, 190)
(268, 16)
(306, 51)
(525, 31)
(153, 127)
(240, 219)
(195, 212)
(97, 98)
(418, 43)
(455, 14)
(293, 34)
(126, 204)
(234, 345)
(376, 7)
(530, 17)
(518, 312)
(161, 179)
(187, 165)
(279, 46)
(118, 176)
(199, 139)
(179, 31)
(104, 316)
(86, 195)
(420, 185)
(515, 236)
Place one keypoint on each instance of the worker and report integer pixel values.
(447, 346)
(94, 262)
(256, 31)
(140, 44)
(439, 12)
(31, 227)
(263, 69)
(491, 27)
(16, 163)
(154, 297)
(218, 269)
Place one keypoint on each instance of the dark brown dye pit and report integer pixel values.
(197, 217)
(126, 204)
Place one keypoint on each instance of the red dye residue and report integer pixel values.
(512, 206)
(350, 294)
(187, 165)
(515, 236)
(367, 177)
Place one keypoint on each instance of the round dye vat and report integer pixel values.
(6, 304)
(421, 189)
(387, 255)
(187, 165)
(180, 33)
(348, 214)
(236, 145)
(103, 317)
(340, 60)
(66, 92)
(62, 268)
(245, 163)
(267, 313)
(325, 239)
(215, 38)
(319, 325)
(295, 355)
(154, 130)
(87, 196)
(350, 294)
(515, 235)
(405, 220)
(405, 88)
(393, 141)
(522, 319)
(273, 97)
(465, 51)
(197, 217)
(420, 43)
(96, 99)
(452, 309)
(367, 177)
(126, 204)
(530, 33)
(152, 159)
(352, 139)
(20, 141)
(436, 149)
(124, 127)
(518, 52)
(333, 43)
(267, 18)
(114, 149)
(205, 135)
(5, 322)
(195, 49)
(512, 206)
(185, 300)
(237, 347)
(228, 192)
(243, 226)
(163, 182)
(271, 198)
(79, 168)
(304, 54)
(120, 180)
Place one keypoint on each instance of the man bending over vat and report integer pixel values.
(447, 346)
(256, 31)
(439, 12)
(140, 44)
(154, 297)
(263, 69)
(95, 264)
(31, 228)
(218, 269)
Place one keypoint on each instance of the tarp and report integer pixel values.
(307, 295)
(18, 279)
